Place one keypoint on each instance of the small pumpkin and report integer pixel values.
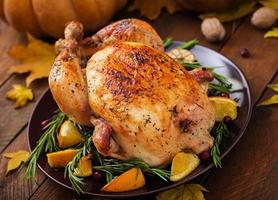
(48, 17)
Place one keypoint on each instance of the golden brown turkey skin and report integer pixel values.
(68, 84)
(125, 30)
(155, 107)
(66, 81)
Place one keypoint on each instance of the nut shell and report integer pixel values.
(213, 29)
(264, 18)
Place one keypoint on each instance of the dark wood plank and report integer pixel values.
(8, 37)
(262, 65)
(50, 190)
(251, 170)
(13, 186)
(12, 120)
(246, 171)
(5, 62)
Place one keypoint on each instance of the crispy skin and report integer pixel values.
(66, 81)
(143, 104)
(155, 108)
(68, 86)
(126, 30)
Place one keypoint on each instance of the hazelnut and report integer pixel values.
(213, 30)
(263, 18)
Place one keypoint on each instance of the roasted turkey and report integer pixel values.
(143, 104)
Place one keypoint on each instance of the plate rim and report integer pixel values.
(175, 184)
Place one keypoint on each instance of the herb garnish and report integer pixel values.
(186, 45)
(221, 131)
(70, 169)
(167, 42)
(111, 167)
(116, 167)
(47, 143)
(223, 84)
(189, 44)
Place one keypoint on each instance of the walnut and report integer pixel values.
(263, 18)
(213, 30)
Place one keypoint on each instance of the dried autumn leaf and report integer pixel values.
(271, 33)
(16, 158)
(270, 101)
(152, 9)
(20, 94)
(183, 192)
(37, 58)
(237, 13)
(270, 3)
(274, 87)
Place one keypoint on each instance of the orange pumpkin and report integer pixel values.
(48, 17)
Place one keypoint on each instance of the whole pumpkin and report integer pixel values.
(48, 17)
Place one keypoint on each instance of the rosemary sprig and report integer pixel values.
(191, 66)
(223, 84)
(215, 88)
(167, 42)
(222, 80)
(70, 169)
(189, 44)
(221, 131)
(47, 143)
(115, 167)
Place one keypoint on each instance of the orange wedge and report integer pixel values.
(129, 180)
(68, 135)
(224, 107)
(183, 164)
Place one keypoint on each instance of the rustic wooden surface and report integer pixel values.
(249, 172)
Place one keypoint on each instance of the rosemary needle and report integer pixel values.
(189, 44)
(221, 131)
(47, 143)
(167, 42)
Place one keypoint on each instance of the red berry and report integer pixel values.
(98, 175)
(224, 94)
(227, 120)
(245, 53)
(205, 155)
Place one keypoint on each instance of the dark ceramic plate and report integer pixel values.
(46, 106)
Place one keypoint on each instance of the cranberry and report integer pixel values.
(224, 94)
(98, 175)
(205, 155)
(227, 120)
(245, 53)
(44, 123)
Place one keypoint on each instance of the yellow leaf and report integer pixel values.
(37, 58)
(20, 94)
(183, 192)
(270, 3)
(237, 13)
(274, 87)
(272, 33)
(152, 9)
(270, 101)
(16, 158)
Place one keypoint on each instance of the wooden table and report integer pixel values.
(250, 171)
